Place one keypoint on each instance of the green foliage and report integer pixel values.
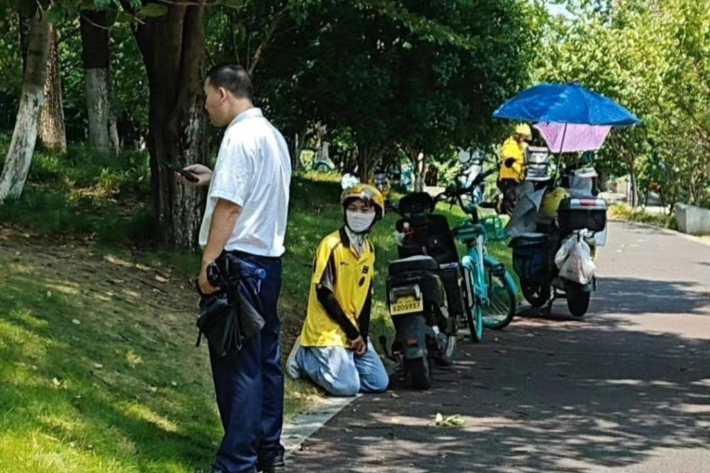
(86, 195)
(11, 65)
(653, 57)
(381, 74)
(152, 10)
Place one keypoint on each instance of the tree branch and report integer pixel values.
(269, 36)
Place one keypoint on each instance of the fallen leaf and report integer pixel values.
(394, 395)
(98, 365)
(449, 421)
(49, 293)
(76, 321)
(56, 382)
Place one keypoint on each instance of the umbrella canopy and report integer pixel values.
(563, 138)
(572, 104)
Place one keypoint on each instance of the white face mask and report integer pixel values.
(359, 222)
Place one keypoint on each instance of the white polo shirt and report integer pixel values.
(253, 170)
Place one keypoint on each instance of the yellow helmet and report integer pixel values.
(366, 193)
(523, 129)
(552, 200)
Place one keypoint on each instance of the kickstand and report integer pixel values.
(546, 310)
(383, 343)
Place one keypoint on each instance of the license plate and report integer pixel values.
(406, 305)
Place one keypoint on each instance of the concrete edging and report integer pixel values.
(302, 427)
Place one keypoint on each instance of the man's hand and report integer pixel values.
(205, 285)
(201, 172)
(358, 346)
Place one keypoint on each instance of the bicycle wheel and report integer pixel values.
(474, 314)
(499, 311)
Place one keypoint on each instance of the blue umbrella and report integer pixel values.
(572, 104)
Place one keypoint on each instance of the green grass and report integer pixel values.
(99, 373)
(100, 197)
(99, 370)
(628, 213)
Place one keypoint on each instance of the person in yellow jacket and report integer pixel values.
(334, 350)
(512, 170)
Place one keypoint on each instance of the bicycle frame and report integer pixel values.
(473, 261)
(477, 258)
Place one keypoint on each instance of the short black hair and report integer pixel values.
(232, 77)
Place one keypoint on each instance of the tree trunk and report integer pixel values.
(367, 160)
(24, 32)
(51, 120)
(420, 171)
(633, 184)
(24, 137)
(96, 56)
(173, 48)
(299, 141)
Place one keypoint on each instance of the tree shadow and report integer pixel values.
(544, 398)
(640, 296)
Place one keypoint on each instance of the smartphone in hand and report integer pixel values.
(186, 174)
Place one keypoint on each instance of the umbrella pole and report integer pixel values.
(562, 146)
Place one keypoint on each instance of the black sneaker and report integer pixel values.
(277, 465)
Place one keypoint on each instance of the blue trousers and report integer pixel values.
(250, 384)
(341, 372)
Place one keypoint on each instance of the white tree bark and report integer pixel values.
(96, 57)
(24, 136)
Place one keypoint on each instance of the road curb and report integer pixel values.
(664, 230)
(302, 427)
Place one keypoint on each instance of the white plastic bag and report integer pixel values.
(581, 182)
(575, 259)
(565, 250)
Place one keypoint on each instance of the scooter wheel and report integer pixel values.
(577, 299)
(420, 371)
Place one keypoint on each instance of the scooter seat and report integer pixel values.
(413, 263)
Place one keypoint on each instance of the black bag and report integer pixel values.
(227, 317)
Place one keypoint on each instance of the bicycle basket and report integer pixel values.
(495, 230)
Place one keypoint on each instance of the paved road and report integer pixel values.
(625, 390)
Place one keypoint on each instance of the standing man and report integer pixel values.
(246, 215)
(512, 169)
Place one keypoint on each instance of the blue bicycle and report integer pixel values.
(490, 292)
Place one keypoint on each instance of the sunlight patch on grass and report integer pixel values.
(144, 413)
